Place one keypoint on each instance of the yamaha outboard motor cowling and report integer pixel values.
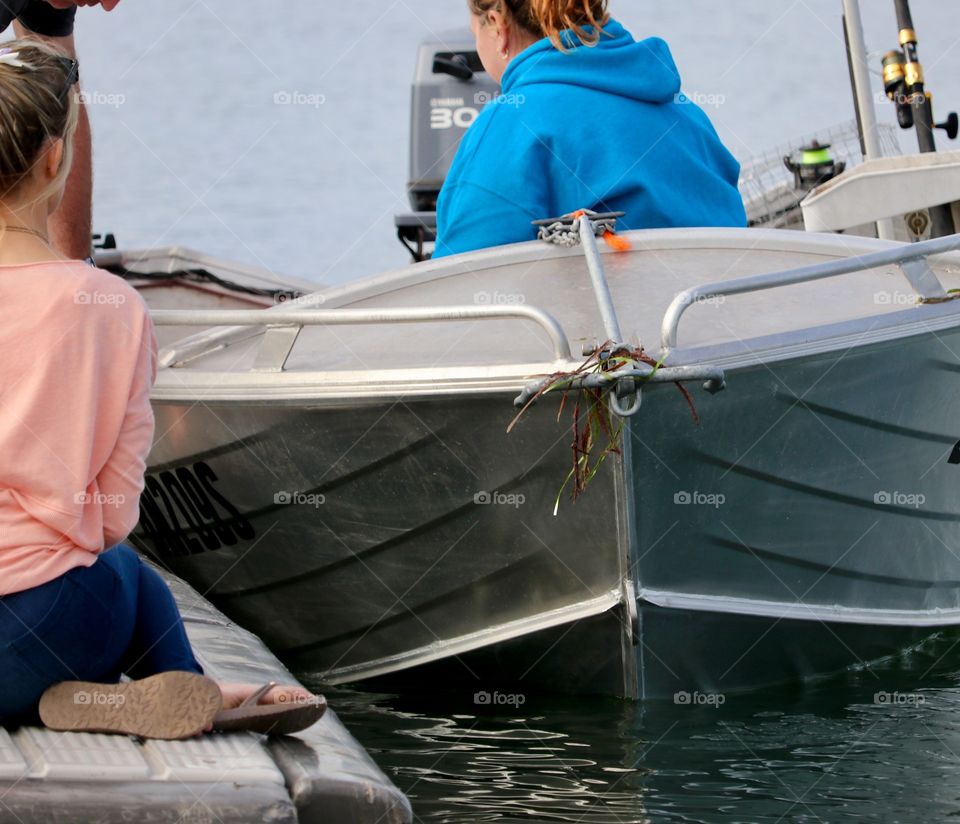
(449, 91)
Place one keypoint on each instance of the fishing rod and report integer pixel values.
(905, 85)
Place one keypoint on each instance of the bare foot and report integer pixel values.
(235, 694)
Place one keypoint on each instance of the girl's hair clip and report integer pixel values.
(8, 57)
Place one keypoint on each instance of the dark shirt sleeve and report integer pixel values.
(43, 19)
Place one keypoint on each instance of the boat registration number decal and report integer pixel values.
(183, 513)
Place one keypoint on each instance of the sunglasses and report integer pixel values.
(72, 69)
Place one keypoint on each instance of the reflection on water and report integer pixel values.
(880, 744)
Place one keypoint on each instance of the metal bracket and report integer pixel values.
(639, 374)
(923, 279)
(275, 348)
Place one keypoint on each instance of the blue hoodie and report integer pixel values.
(602, 128)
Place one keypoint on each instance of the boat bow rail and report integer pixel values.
(284, 327)
(911, 259)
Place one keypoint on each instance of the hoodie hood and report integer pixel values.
(617, 65)
(594, 127)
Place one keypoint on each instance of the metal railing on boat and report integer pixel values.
(284, 326)
(912, 260)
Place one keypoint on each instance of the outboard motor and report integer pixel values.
(449, 91)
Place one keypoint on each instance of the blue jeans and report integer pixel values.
(93, 624)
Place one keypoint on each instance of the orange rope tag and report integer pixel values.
(617, 243)
(614, 241)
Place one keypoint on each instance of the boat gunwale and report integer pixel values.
(183, 384)
(648, 240)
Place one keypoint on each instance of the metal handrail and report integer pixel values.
(712, 377)
(921, 277)
(598, 278)
(289, 323)
(628, 380)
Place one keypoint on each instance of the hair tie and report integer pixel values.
(11, 58)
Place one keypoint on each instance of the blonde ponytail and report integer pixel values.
(36, 105)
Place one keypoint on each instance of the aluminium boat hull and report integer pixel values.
(807, 523)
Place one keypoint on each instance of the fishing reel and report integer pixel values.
(894, 84)
(899, 76)
(814, 166)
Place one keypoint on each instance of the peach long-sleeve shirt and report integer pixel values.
(77, 362)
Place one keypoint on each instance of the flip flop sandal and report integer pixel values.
(281, 718)
(171, 706)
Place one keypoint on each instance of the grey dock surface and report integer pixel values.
(322, 774)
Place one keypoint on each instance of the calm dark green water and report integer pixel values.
(881, 744)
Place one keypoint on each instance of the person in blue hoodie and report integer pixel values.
(587, 118)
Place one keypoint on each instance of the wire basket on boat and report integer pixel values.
(768, 187)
